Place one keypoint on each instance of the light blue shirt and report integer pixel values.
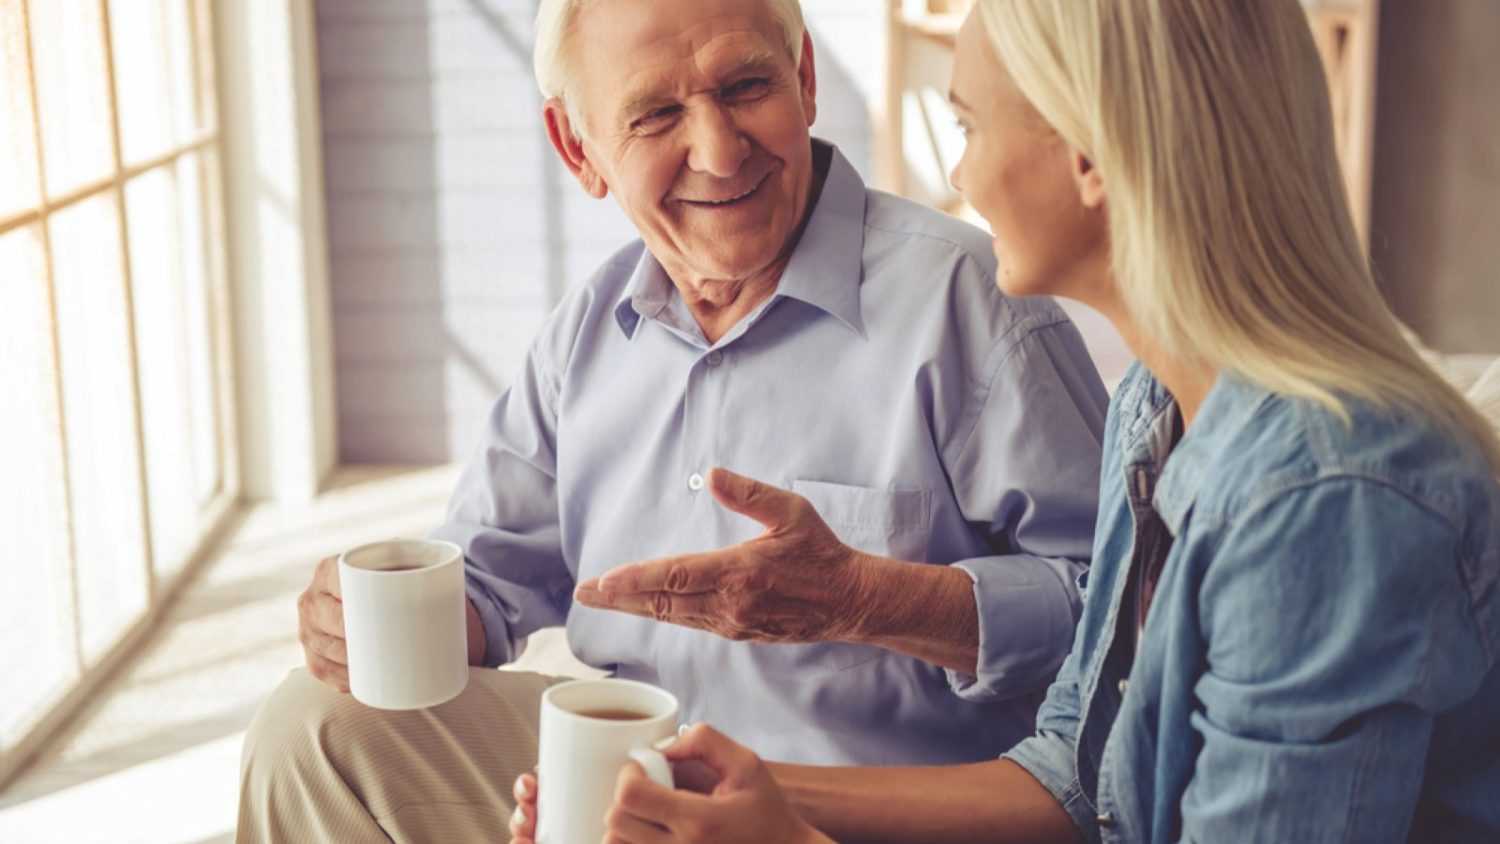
(926, 417)
(1321, 660)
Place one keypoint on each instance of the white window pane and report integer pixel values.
(17, 141)
(143, 82)
(186, 122)
(99, 417)
(198, 245)
(35, 621)
(67, 43)
(178, 407)
(216, 449)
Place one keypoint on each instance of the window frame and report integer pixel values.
(84, 677)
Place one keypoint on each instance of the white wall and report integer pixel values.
(274, 203)
(452, 228)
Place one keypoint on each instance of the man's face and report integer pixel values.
(697, 118)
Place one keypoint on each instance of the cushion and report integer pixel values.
(1485, 393)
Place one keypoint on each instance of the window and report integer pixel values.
(116, 439)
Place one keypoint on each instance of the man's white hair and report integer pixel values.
(554, 23)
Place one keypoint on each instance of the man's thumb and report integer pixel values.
(769, 505)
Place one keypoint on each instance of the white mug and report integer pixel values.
(582, 750)
(404, 622)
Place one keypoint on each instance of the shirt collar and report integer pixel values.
(825, 270)
(1226, 409)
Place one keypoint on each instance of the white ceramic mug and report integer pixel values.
(404, 622)
(582, 751)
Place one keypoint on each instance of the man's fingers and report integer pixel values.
(331, 648)
(771, 506)
(326, 578)
(689, 610)
(327, 672)
(686, 574)
(323, 613)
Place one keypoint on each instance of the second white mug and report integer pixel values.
(589, 730)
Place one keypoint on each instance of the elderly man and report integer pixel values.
(897, 585)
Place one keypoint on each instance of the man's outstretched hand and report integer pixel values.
(794, 583)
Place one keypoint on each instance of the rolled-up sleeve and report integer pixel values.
(1027, 472)
(504, 516)
(1050, 756)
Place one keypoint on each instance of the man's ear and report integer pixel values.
(1090, 184)
(807, 80)
(569, 146)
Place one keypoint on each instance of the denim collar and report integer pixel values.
(1177, 475)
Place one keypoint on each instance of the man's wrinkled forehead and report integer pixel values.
(648, 55)
(714, 65)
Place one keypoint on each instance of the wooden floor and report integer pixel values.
(156, 756)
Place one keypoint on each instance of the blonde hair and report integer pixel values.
(552, 60)
(1230, 232)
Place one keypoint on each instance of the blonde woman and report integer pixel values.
(1292, 622)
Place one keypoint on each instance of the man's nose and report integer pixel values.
(717, 147)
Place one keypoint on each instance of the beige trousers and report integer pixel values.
(320, 766)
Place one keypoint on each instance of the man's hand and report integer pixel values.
(794, 583)
(320, 626)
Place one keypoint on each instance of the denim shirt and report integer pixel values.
(1319, 660)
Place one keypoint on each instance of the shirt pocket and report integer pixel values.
(889, 522)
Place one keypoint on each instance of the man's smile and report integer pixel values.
(729, 201)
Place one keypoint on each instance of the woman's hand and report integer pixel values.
(523, 821)
(744, 805)
(726, 794)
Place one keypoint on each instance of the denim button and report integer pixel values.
(1123, 685)
(1105, 820)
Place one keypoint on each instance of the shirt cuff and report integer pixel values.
(1027, 608)
(1048, 757)
(497, 646)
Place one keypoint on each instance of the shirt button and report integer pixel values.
(714, 358)
(1105, 820)
(1123, 685)
(695, 482)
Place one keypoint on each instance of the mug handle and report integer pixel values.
(654, 764)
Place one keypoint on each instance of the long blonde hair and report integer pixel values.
(1230, 231)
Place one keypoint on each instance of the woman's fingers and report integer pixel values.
(525, 789)
(692, 775)
(637, 796)
(731, 761)
(623, 827)
(523, 819)
(523, 824)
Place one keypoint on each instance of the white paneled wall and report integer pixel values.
(452, 227)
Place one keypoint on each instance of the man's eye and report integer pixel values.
(747, 89)
(656, 120)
